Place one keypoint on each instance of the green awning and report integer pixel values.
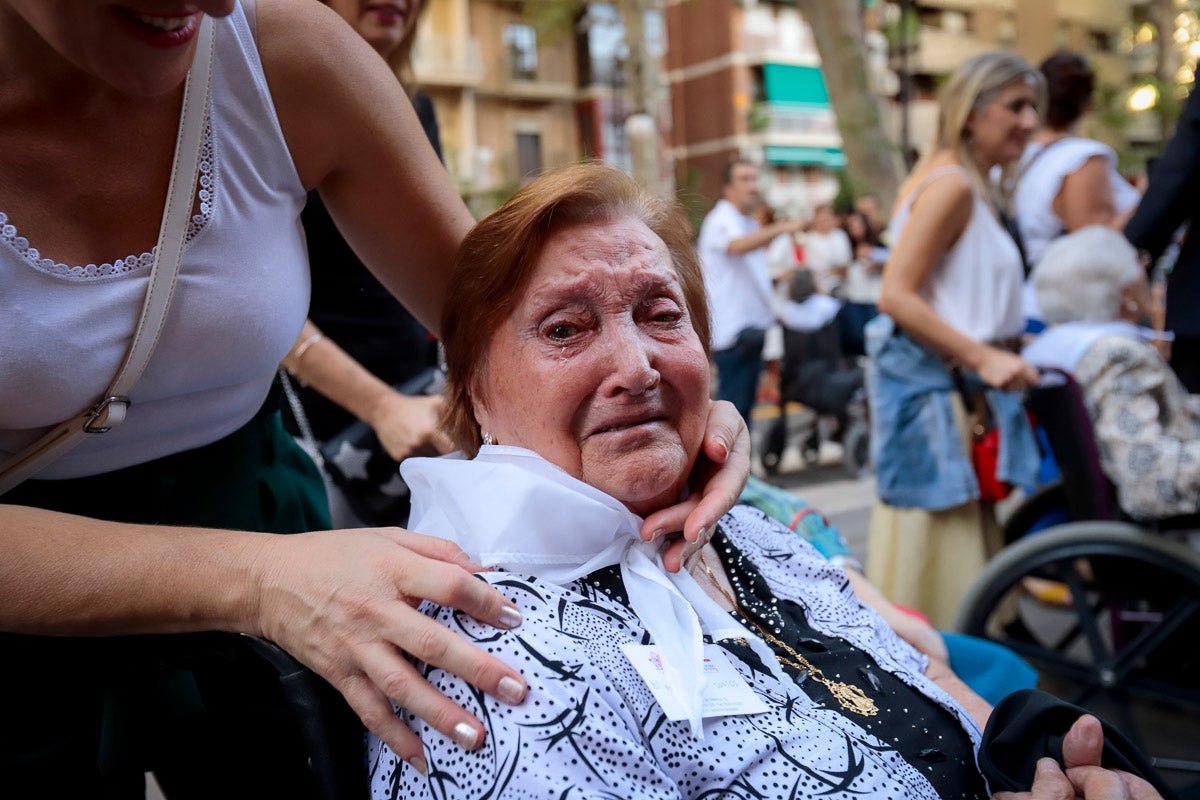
(831, 157)
(785, 83)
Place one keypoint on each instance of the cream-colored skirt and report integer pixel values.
(925, 560)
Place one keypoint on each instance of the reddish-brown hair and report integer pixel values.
(496, 260)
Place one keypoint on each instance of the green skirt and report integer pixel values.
(87, 716)
(255, 479)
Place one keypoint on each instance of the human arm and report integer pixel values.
(1131, 393)
(918, 633)
(938, 217)
(940, 673)
(548, 744)
(342, 602)
(406, 426)
(762, 237)
(1086, 196)
(1170, 197)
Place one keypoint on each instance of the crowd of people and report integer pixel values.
(595, 485)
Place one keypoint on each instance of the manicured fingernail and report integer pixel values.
(465, 736)
(700, 534)
(510, 690)
(658, 533)
(418, 763)
(510, 617)
(1047, 765)
(724, 449)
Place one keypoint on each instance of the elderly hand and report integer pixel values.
(1084, 777)
(1001, 369)
(1089, 783)
(717, 480)
(408, 426)
(344, 603)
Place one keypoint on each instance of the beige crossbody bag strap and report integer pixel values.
(109, 411)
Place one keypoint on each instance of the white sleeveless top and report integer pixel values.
(239, 303)
(976, 286)
(1043, 170)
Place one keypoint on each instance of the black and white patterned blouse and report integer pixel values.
(590, 727)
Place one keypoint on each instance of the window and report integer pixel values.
(529, 155)
(521, 43)
(605, 52)
(1101, 41)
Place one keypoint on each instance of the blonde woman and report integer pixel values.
(949, 333)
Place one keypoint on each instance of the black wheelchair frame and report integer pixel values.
(1105, 607)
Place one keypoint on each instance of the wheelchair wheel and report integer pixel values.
(1048, 502)
(1108, 614)
(856, 448)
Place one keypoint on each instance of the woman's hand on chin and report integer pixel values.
(345, 603)
(717, 480)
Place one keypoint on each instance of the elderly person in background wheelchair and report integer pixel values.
(1093, 294)
(577, 344)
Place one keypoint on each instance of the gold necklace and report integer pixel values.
(850, 697)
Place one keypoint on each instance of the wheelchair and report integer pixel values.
(1105, 607)
(815, 374)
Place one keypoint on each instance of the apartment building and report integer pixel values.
(505, 95)
(742, 78)
(745, 81)
(947, 32)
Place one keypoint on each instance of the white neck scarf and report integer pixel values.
(512, 509)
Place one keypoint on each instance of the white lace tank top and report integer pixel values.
(976, 287)
(239, 303)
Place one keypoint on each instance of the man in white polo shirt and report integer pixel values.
(732, 248)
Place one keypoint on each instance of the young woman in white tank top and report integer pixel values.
(952, 286)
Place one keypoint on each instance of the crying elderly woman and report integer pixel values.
(576, 338)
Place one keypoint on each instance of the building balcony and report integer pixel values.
(786, 40)
(940, 52)
(1101, 14)
(815, 125)
(517, 81)
(447, 61)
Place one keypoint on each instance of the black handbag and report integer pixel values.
(358, 465)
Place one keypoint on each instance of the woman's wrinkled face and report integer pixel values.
(385, 24)
(1002, 127)
(598, 368)
(140, 47)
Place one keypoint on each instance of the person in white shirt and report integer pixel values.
(1066, 181)
(732, 248)
(827, 250)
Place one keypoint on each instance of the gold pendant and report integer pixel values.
(853, 698)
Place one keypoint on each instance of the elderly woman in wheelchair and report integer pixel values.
(1106, 604)
(576, 344)
(1146, 424)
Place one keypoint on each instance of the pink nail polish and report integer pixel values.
(465, 736)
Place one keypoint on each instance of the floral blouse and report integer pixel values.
(1147, 427)
(591, 728)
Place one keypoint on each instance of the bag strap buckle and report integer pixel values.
(103, 416)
